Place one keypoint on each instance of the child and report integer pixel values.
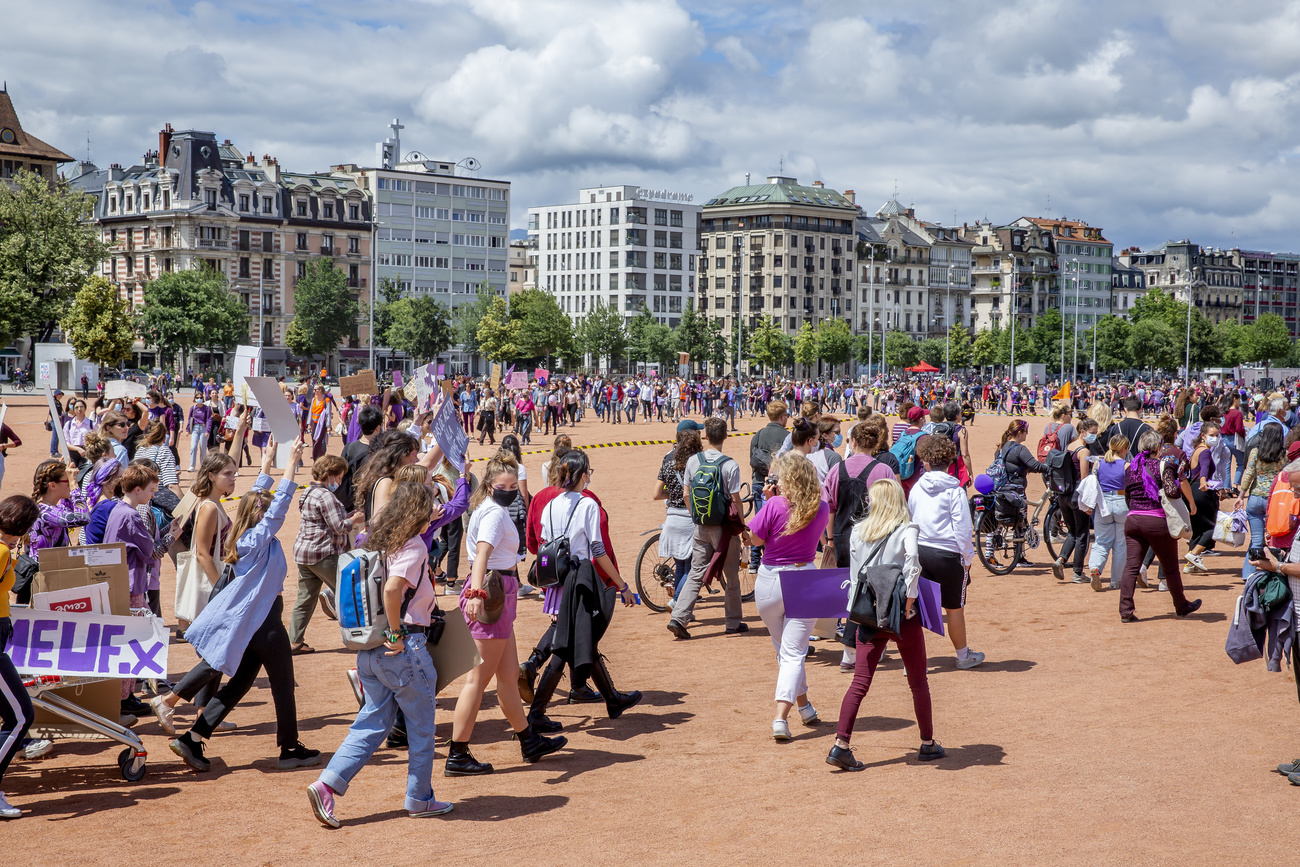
(403, 659)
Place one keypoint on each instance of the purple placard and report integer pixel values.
(397, 380)
(815, 592)
(931, 611)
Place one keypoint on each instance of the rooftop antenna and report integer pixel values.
(895, 189)
(781, 169)
(88, 146)
(1049, 204)
(746, 178)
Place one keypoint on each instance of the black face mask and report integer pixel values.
(504, 498)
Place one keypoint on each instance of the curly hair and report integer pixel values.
(405, 515)
(798, 480)
(688, 443)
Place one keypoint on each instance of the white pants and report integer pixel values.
(789, 635)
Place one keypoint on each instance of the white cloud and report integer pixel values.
(737, 54)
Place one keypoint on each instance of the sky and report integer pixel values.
(1154, 119)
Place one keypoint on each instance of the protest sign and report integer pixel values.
(248, 362)
(89, 599)
(363, 382)
(496, 376)
(449, 434)
(279, 415)
(518, 379)
(87, 645)
(426, 383)
(56, 422)
(819, 593)
(541, 373)
(397, 380)
(122, 389)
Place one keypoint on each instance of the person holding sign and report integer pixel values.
(17, 515)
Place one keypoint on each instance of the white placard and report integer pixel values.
(45, 371)
(56, 421)
(90, 599)
(126, 390)
(248, 363)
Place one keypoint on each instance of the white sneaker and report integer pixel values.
(37, 748)
(808, 714)
(226, 726)
(1195, 562)
(780, 730)
(975, 658)
(164, 713)
(8, 810)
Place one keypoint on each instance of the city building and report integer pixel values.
(1013, 268)
(1207, 277)
(1082, 264)
(778, 249)
(1268, 285)
(437, 232)
(196, 203)
(523, 265)
(20, 149)
(624, 246)
(1127, 284)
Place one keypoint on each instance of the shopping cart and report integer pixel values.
(40, 688)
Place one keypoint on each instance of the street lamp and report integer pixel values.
(1075, 369)
(947, 337)
(1187, 370)
(871, 305)
(1013, 319)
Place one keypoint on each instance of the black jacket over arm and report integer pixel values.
(585, 613)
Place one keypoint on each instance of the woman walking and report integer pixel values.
(492, 544)
(1109, 516)
(398, 674)
(678, 534)
(941, 512)
(887, 536)
(1077, 521)
(1262, 466)
(1206, 498)
(790, 524)
(324, 533)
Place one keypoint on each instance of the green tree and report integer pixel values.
(834, 342)
(1152, 344)
(544, 329)
(931, 351)
(661, 345)
(1112, 343)
(1026, 352)
(1048, 342)
(324, 311)
(1269, 342)
(639, 330)
(960, 351)
(805, 344)
(692, 334)
(1232, 340)
(49, 245)
(466, 317)
(869, 349)
(766, 344)
(498, 334)
(421, 327)
(1158, 305)
(715, 349)
(985, 351)
(389, 294)
(99, 324)
(900, 350)
(602, 334)
(186, 310)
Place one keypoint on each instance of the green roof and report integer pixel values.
(781, 194)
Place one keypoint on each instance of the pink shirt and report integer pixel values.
(799, 546)
(411, 562)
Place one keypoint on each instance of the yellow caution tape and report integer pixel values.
(615, 445)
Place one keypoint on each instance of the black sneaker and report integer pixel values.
(191, 753)
(1192, 607)
(931, 751)
(842, 758)
(677, 629)
(1292, 767)
(583, 694)
(297, 756)
(739, 628)
(133, 706)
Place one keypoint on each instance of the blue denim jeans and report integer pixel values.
(1256, 510)
(408, 681)
(1110, 539)
(1239, 459)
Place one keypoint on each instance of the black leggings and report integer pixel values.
(15, 712)
(1207, 512)
(1076, 524)
(267, 648)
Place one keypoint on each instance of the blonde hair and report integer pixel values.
(412, 507)
(500, 464)
(799, 486)
(252, 506)
(888, 511)
(1101, 414)
(1117, 448)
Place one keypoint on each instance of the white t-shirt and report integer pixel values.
(523, 473)
(491, 523)
(584, 526)
(730, 469)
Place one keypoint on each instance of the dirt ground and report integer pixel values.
(1080, 740)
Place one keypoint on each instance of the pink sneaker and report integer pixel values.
(322, 803)
(436, 808)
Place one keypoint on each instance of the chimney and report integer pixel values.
(848, 194)
(164, 143)
(250, 158)
(818, 184)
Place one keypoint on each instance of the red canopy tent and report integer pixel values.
(923, 368)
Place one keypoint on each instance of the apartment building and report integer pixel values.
(1127, 284)
(780, 249)
(1207, 277)
(1082, 263)
(523, 265)
(1013, 273)
(1268, 285)
(20, 149)
(628, 247)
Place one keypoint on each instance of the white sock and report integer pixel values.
(963, 652)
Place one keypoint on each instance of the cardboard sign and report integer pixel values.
(496, 376)
(518, 379)
(455, 653)
(426, 383)
(449, 434)
(248, 362)
(363, 382)
(88, 645)
(92, 599)
(279, 416)
(125, 390)
(56, 421)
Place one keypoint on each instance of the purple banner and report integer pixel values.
(87, 645)
(815, 592)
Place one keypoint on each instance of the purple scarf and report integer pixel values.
(1149, 484)
(103, 471)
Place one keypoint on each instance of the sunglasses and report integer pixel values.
(118, 424)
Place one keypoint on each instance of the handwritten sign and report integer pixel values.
(449, 434)
(496, 376)
(541, 374)
(518, 379)
(125, 390)
(397, 380)
(75, 644)
(363, 382)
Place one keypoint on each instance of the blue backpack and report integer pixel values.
(905, 451)
(997, 470)
(360, 598)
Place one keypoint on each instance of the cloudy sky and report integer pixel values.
(1154, 120)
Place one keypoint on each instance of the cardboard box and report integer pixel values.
(63, 568)
(363, 382)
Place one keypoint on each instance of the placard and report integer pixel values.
(45, 371)
(541, 374)
(124, 389)
(279, 416)
(248, 362)
(87, 645)
(398, 382)
(91, 599)
(363, 382)
(496, 375)
(56, 422)
(518, 379)
(448, 433)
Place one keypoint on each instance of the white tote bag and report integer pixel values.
(192, 585)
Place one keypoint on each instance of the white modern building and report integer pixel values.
(626, 246)
(438, 231)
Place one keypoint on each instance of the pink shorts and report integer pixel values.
(505, 626)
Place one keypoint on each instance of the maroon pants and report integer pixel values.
(911, 646)
(1143, 532)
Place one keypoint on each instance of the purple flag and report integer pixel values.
(354, 423)
(397, 379)
(815, 592)
(442, 370)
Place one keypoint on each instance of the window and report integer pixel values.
(661, 260)
(268, 242)
(354, 245)
(302, 241)
(128, 203)
(267, 272)
(327, 244)
(302, 270)
(302, 208)
(661, 216)
(329, 210)
(243, 203)
(209, 196)
(266, 204)
(243, 265)
(613, 216)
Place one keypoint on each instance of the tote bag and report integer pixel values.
(1177, 518)
(193, 589)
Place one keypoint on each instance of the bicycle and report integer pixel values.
(997, 536)
(23, 385)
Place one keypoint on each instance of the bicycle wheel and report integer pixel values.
(998, 548)
(746, 584)
(1054, 530)
(654, 576)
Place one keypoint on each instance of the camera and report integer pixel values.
(770, 480)
(1257, 554)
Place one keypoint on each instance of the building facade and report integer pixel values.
(1268, 285)
(1127, 284)
(1082, 262)
(1013, 273)
(626, 247)
(1209, 278)
(20, 149)
(523, 265)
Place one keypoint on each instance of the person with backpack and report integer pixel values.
(790, 524)
(677, 535)
(241, 631)
(1066, 469)
(887, 537)
(324, 532)
(762, 450)
(904, 449)
(1058, 433)
(945, 545)
(713, 497)
(399, 673)
(845, 489)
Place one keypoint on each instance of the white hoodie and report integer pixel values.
(940, 509)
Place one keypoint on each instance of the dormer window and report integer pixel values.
(243, 203)
(112, 204)
(210, 196)
(128, 204)
(354, 212)
(302, 207)
(329, 210)
(266, 204)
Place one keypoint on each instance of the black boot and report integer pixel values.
(461, 764)
(579, 692)
(542, 697)
(528, 674)
(615, 702)
(533, 746)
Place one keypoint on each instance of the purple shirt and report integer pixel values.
(797, 547)
(125, 525)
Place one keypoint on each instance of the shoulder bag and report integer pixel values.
(862, 606)
(193, 589)
(1177, 517)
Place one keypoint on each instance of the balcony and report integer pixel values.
(634, 218)
(810, 247)
(327, 251)
(211, 244)
(835, 269)
(755, 263)
(808, 268)
(735, 263)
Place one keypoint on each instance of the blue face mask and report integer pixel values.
(839, 440)
(333, 486)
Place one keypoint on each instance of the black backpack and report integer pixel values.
(554, 562)
(851, 506)
(1061, 476)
